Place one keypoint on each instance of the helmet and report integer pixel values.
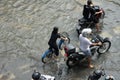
(109, 78)
(86, 32)
(36, 76)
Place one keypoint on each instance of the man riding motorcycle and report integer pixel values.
(85, 44)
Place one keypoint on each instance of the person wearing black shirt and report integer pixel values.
(52, 41)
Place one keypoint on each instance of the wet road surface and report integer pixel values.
(25, 27)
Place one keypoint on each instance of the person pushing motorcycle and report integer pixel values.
(85, 44)
(90, 14)
(52, 41)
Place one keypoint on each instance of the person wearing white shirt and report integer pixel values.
(85, 44)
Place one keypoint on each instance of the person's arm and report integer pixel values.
(95, 44)
(64, 38)
(98, 12)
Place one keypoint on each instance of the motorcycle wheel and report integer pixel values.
(47, 58)
(71, 62)
(68, 40)
(104, 48)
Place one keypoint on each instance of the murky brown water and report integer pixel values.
(25, 27)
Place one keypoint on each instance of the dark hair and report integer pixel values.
(55, 30)
(89, 2)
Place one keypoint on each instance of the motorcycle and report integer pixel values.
(83, 23)
(98, 73)
(49, 54)
(78, 57)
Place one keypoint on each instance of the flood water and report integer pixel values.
(25, 28)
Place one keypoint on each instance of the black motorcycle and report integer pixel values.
(98, 73)
(84, 23)
(76, 58)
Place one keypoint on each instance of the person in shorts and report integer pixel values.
(85, 44)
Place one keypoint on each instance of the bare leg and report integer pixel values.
(89, 62)
(97, 27)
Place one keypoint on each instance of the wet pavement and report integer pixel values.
(25, 27)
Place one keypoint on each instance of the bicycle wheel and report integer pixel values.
(47, 56)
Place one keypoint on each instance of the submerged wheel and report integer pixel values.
(71, 62)
(47, 58)
(104, 48)
(43, 60)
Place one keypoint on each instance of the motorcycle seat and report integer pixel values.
(70, 51)
(79, 51)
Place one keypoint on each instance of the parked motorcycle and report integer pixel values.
(49, 54)
(83, 23)
(76, 58)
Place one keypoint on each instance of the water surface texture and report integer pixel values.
(26, 25)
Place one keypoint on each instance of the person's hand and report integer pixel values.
(66, 39)
(98, 12)
(99, 43)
